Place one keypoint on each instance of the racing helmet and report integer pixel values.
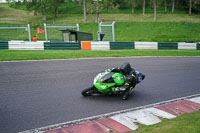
(125, 68)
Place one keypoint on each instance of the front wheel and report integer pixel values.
(143, 76)
(89, 91)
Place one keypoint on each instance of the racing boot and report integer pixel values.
(127, 93)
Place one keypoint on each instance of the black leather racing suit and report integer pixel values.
(130, 81)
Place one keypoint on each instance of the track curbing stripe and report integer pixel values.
(79, 121)
(196, 100)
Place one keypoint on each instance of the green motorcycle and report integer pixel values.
(109, 83)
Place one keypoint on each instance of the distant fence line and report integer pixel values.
(7, 31)
(54, 26)
(53, 32)
(26, 28)
(108, 29)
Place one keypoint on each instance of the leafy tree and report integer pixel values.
(91, 6)
(196, 6)
(84, 12)
(44, 6)
(165, 5)
(133, 5)
(173, 4)
(97, 11)
(155, 13)
(143, 9)
(110, 4)
(190, 7)
(33, 4)
(55, 4)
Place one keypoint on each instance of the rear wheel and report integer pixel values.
(89, 91)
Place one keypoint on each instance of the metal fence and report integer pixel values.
(54, 33)
(7, 33)
(108, 29)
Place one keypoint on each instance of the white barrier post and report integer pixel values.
(45, 30)
(113, 30)
(29, 32)
(77, 25)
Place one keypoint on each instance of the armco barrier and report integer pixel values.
(198, 46)
(146, 45)
(100, 45)
(61, 46)
(167, 45)
(122, 45)
(26, 45)
(183, 45)
(3, 44)
(95, 45)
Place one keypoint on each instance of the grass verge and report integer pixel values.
(188, 123)
(9, 55)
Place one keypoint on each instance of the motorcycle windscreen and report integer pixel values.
(107, 78)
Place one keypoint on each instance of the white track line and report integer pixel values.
(103, 58)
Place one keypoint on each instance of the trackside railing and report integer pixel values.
(112, 25)
(27, 28)
(53, 26)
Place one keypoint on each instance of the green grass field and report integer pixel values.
(168, 28)
(125, 31)
(187, 123)
(8, 55)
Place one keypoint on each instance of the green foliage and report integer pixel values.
(47, 4)
(70, 8)
(196, 6)
(107, 6)
(18, 5)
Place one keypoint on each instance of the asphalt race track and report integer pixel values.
(34, 94)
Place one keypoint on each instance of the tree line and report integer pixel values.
(97, 6)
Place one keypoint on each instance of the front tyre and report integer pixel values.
(143, 76)
(89, 91)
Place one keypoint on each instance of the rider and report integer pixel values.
(130, 76)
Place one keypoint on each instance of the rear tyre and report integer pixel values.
(89, 91)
